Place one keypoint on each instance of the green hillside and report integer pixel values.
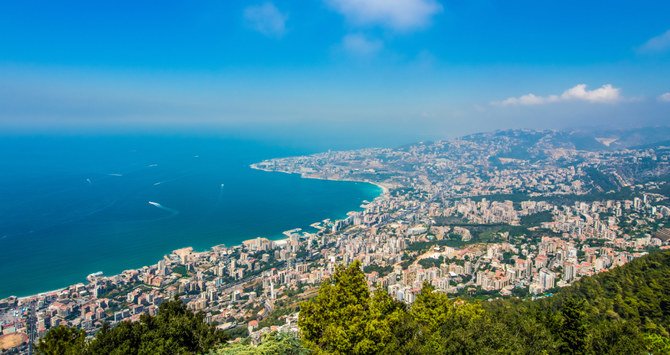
(625, 310)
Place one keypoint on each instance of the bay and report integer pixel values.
(73, 205)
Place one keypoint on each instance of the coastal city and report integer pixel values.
(514, 213)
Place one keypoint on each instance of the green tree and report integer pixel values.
(62, 340)
(657, 344)
(457, 327)
(431, 309)
(174, 330)
(272, 343)
(345, 318)
(387, 327)
(614, 337)
(572, 330)
(624, 310)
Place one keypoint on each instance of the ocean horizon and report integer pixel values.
(74, 205)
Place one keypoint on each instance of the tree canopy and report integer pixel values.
(625, 310)
(271, 344)
(174, 330)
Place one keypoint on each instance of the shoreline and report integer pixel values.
(280, 238)
(385, 189)
(45, 293)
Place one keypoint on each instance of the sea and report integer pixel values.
(74, 205)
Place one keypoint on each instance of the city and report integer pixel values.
(505, 214)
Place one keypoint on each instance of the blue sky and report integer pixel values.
(368, 72)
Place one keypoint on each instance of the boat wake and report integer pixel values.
(158, 205)
(171, 180)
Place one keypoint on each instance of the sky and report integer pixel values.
(337, 73)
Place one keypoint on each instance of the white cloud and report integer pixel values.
(528, 99)
(604, 94)
(657, 44)
(399, 15)
(664, 97)
(361, 46)
(266, 19)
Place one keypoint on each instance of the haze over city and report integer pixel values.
(325, 71)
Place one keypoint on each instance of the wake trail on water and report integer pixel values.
(74, 219)
(123, 171)
(218, 199)
(161, 182)
(158, 205)
(216, 205)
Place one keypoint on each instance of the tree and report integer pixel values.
(62, 340)
(657, 344)
(335, 319)
(174, 330)
(572, 329)
(456, 326)
(344, 318)
(388, 327)
(625, 310)
(430, 309)
(272, 343)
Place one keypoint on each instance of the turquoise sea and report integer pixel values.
(73, 205)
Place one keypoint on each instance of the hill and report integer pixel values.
(626, 310)
(174, 330)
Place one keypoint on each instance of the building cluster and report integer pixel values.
(469, 217)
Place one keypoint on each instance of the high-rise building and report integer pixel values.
(547, 279)
(569, 271)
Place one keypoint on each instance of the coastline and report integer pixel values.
(278, 238)
(385, 189)
(45, 293)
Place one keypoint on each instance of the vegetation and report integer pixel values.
(346, 318)
(277, 316)
(381, 270)
(271, 344)
(601, 181)
(181, 270)
(174, 330)
(237, 332)
(625, 310)
(624, 193)
(431, 262)
(62, 340)
(536, 219)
